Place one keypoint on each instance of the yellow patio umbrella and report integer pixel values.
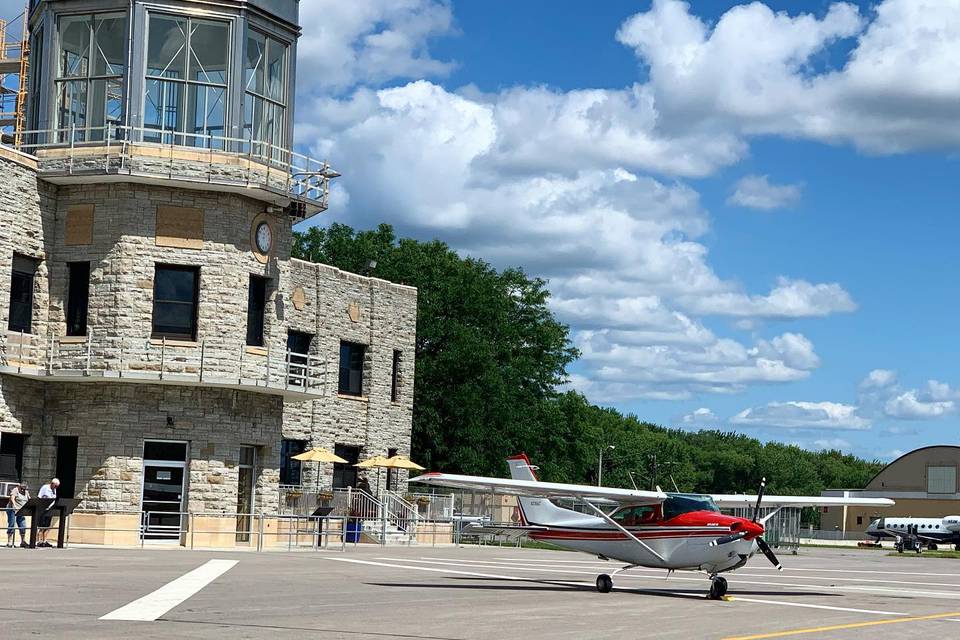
(318, 455)
(376, 462)
(403, 462)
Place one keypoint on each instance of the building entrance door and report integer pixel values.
(163, 489)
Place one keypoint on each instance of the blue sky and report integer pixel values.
(746, 212)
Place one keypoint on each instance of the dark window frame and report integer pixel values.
(78, 298)
(20, 312)
(355, 353)
(298, 357)
(346, 475)
(257, 310)
(194, 319)
(291, 471)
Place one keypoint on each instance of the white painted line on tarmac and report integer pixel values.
(816, 606)
(153, 605)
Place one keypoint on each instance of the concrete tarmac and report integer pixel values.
(465, 594)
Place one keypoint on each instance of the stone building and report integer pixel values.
(162, 352)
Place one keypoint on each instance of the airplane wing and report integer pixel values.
(730, 501)
(536, 489)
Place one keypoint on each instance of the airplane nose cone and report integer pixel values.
(753, 529)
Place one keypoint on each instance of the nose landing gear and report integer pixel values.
(718, 588)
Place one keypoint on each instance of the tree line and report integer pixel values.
(490, 360)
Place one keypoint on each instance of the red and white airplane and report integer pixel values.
(672, 531)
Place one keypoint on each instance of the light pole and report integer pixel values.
(600, 464)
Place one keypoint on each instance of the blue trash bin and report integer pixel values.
(354, 529)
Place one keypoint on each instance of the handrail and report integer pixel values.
(303, 177)
(94, 354)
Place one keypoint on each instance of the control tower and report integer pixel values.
(160, 351)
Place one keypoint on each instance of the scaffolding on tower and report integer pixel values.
(14, 64)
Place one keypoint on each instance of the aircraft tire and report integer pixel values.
(932, 546)
(956, 547)
(718, 588)
(604, 583)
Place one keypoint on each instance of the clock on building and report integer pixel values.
(264, 238)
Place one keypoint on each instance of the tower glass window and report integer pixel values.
(265, 99)
(78, 298)
(351, 368)
(186, 80)
(256, 308)
(22, 278)
(91, 61)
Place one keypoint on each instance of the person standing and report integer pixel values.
(48, 490)
(18, 497)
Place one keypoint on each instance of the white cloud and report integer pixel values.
(702, 417)
(911, 405)
(879, 379)
(803, 415)
(756, 192)
(369, 41)
(832, 443)
(789, 299)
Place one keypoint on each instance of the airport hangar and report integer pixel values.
(923, 483)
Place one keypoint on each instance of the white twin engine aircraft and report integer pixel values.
(672, 531)
(915, 533)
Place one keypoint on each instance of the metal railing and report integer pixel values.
(163, 360)
(112, 148)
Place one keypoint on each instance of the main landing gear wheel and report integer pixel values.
(932, 546)
(956, 547)
(718, 588)
(604, 583)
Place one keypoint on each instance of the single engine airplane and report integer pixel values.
(654, 529)
(913, 534)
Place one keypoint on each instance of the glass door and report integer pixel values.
(245, 488)
(163, 489)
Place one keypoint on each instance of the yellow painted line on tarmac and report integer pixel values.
(839, 627)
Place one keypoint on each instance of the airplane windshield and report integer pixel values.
(679, 503)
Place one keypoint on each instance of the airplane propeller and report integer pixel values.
(740, 535)
(761, 543)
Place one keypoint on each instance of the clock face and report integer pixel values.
(264, 238)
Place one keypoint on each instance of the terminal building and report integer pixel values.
(161, 352)
(923, 483)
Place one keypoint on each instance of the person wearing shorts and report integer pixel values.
(18, 497)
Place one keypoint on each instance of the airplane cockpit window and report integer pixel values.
(680, 503)
(636, 515)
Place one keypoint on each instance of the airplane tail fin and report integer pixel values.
(534, 511)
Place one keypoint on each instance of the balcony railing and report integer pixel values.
(192, 157)
(85, 359)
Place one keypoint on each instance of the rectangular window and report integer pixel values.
(351, 368)
(256, 308)
(859, 520)
(22, 279)
(78, 297)
(265, 99)
(345, 475)
(395, 377)
(942, 479)
(91, 61)
(290, 468)
(67, 465)
(298, 352)
(175, 301)
(188, 65)
(11, 456)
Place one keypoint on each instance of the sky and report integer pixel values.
(746, 212)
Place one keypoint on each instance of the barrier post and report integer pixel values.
(190, 524)
(260, 531)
